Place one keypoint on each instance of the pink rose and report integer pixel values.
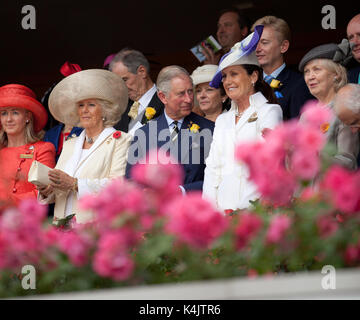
(305, 165)
(249, 225)
(279, 224)
(194, 221)
(315, 114)
(111, 259)
(327, 225)
(75, 246)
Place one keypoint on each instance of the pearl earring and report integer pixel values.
(103, 119)
(27, 121)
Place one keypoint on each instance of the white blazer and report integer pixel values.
(226, 181)
(106, 160)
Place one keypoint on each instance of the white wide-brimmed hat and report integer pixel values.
(242, 52)
(87, 84)
(204, 73)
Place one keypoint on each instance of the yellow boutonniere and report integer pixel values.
(275, 84)
(194, 128)
(253, 117)
(324, 127)
(149, 113)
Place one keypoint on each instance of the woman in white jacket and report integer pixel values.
(253, 110)
(95, 100)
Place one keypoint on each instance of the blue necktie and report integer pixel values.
(268, 79)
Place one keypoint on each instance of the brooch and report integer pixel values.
(253, 117)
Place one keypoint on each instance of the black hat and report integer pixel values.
(340, 53)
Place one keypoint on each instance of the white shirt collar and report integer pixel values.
(170, 121)
(146, 98)
(276, 72)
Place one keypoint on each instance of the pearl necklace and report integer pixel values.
(91, 140)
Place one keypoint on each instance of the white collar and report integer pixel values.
(276, 72)
(256, 100)
(170, 121)
(146, 98)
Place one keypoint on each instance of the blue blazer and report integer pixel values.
(53, 136)
(190, 149)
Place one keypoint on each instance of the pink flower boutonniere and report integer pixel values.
(117, 134)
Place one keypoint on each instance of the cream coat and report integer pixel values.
(106, 160)
(226, 181)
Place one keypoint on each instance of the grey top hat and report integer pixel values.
(340, 53)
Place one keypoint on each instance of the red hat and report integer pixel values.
(19, 96)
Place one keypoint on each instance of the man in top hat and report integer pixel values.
(144, 104)
(185, 135)
(232, 27)
(353, 35)
(288, 85)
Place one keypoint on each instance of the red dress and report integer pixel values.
(15, 163)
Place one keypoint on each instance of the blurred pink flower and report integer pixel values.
(344, 188)
(194, 221)
(112, 258)
(305, 165)
(326, 225)
(76, 246)
(162, 177)
(33, 210)
(279, 224)
(315, 114)
(248, 227)
(309, 140)
(352, 254)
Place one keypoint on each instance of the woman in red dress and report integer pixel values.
(22, 120)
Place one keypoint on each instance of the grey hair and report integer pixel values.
(351, 99)
(167, 74)
(130, 58)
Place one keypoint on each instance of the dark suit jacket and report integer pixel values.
(155, 103)
(353, 75)
(191, 149)
(295, 93)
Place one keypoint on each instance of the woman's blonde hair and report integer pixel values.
(30, 135)
(340, 78)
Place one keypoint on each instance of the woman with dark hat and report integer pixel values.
(22, 121)
(93, 99)
(324, 74)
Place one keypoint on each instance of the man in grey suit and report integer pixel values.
(133, 67)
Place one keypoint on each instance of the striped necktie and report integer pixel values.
(175, 131)
(268, 79)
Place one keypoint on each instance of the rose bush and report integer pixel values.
(146, 231)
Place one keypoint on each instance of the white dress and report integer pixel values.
(226, 181)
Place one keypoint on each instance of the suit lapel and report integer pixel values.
(75, 164)
(162, 125)
(283, 78)
(156, 104)
(186, 134)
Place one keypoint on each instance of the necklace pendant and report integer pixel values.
(90, 140)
